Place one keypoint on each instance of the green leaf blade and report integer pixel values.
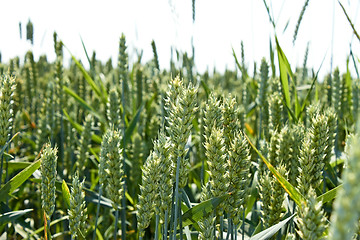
(19, 179)
(290, 189)
(196, 213)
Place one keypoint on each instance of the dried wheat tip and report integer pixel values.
(48, 177)
(275, 111)
(113, 109)
(239, 162)
(6, 107)
(216, 160)
(77, 211)
(207, 223)
(345, 216)
(264, 77)
(165, 171)
(230, 119)
(311, 219)
(113, 167)
(84, 145)
(148, 192)
(336, 92)
(212, 115)
(180, 113)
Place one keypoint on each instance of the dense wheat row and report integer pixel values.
(136, 152)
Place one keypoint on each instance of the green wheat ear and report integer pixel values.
(216, 160)
(181, 108)
(113, 109)
(84, 146)
(6, 107)
(48, 178)
(239, 175)
(77, 211)
(148, 192)
(311, 219)
(345, 216)
(112, 165)
(207, 223)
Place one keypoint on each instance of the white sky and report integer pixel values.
(219, 26)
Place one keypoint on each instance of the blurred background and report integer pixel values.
(213, 27)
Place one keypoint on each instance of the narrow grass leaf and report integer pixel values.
(349, 20)
(257, 229)
(309, 91)
(80, 128)
(269, 232)
(285, 72)
(268, 12)
(236, 60)
(39, 230)
(66, 194)
(83, 103)
(206, 88)
(132, 125)
(329, 195)
(12, 216)
(86, 53)
(196, 213)
(290, 189)
(272, 60)
(19, 179)
(90, 196)
(14, 166)
(87, 77)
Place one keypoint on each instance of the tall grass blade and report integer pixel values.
(80, 128)
(19, 179)
(290, 189)
(269, 232)
(195, 214)
(84, 104)
(86, 53)
(88, 78)
(309, 91)
(329, 195)
(12, 216)
(268, 12)
(285, 73)
(349, 20)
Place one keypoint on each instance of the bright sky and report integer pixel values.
(219, 26)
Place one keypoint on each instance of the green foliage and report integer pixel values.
(154, 144)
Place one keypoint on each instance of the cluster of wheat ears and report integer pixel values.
(143, 153)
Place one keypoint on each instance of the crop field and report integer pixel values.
(132, 151)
